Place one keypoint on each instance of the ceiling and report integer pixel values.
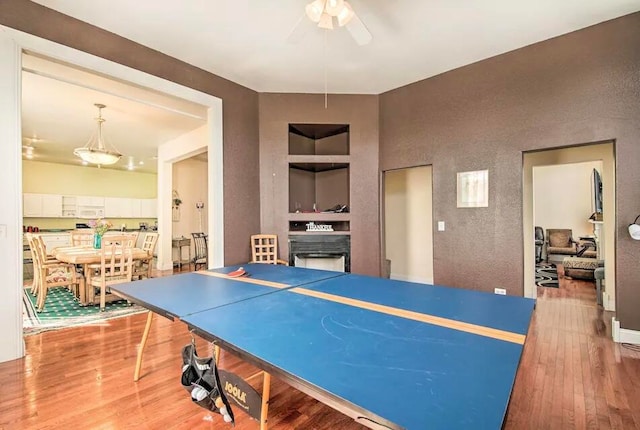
(246, 41)
(58, 115)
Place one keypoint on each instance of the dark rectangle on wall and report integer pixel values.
(320, 246)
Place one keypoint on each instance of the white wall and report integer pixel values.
(562, 197)
(190, 180)
(170, 154)
(409, 223)
(11, 346)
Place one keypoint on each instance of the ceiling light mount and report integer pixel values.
(323, 12)
(95, 150)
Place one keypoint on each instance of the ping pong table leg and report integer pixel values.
(266, 391)
(143, 342)
(216, 353)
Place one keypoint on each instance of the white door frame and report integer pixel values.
(575, 154)
(415, 245)
(12, 44)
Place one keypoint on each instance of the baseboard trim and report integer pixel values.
(624, 335)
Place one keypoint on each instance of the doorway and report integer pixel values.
(193, 208)
(547, 164)
(408, 224)
(12, 44)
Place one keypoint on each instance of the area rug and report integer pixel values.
(62, 310)
(546, 275)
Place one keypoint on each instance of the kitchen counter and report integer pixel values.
(66, 230)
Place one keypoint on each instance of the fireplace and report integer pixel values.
(321, 251)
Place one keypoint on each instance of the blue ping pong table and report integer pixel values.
(389, 354)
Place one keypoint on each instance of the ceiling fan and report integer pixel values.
(324, 12)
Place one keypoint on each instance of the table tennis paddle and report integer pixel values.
(237, 273)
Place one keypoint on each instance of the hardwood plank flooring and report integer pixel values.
(572, 376)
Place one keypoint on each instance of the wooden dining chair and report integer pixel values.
(52, 273)
(129, 239)
(134, 236)
(264, 249)
(116, 266)
(201, 253)
(82, 237)
(48, 260)
(142, 267)
(36, 273)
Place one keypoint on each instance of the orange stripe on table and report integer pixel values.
(479, 330)
(244, 279)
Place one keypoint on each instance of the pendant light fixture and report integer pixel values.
(95, 151)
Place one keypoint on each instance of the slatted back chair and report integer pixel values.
(201, 248)
(36, 271)
(116, 266)
(82, 237)
(51, 273)
(142, 267)
(264, 249)
(134, 236)
(128, 239)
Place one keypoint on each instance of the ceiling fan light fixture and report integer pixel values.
(326, 22)
(334, 7)
(95, 151)
(345, 15)
(314, 10)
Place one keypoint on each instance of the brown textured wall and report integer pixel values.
(240, 106)
(361, 112)
(578, 88)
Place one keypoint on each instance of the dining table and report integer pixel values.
(83, 256)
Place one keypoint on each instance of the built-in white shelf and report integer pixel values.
(318, 216)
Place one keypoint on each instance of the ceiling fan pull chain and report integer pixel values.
(325, 68)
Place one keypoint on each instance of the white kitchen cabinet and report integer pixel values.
(69, 206)
(32, 205)
(113, 207)
(42, 205)
(136, 208)
(122, 207)
(51, 205)
(127, 208)
(148, 208)
(93, 201)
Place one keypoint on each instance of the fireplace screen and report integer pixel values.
(329, 250)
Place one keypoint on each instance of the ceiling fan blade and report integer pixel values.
(299, 30)
(359, 31)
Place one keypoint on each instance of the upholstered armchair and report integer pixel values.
(560, 243)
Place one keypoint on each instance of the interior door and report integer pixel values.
(408, 223)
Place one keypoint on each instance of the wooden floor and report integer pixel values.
(572, 376)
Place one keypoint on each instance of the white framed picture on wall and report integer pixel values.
(473, 189)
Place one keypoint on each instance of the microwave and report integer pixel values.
(90, 212)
